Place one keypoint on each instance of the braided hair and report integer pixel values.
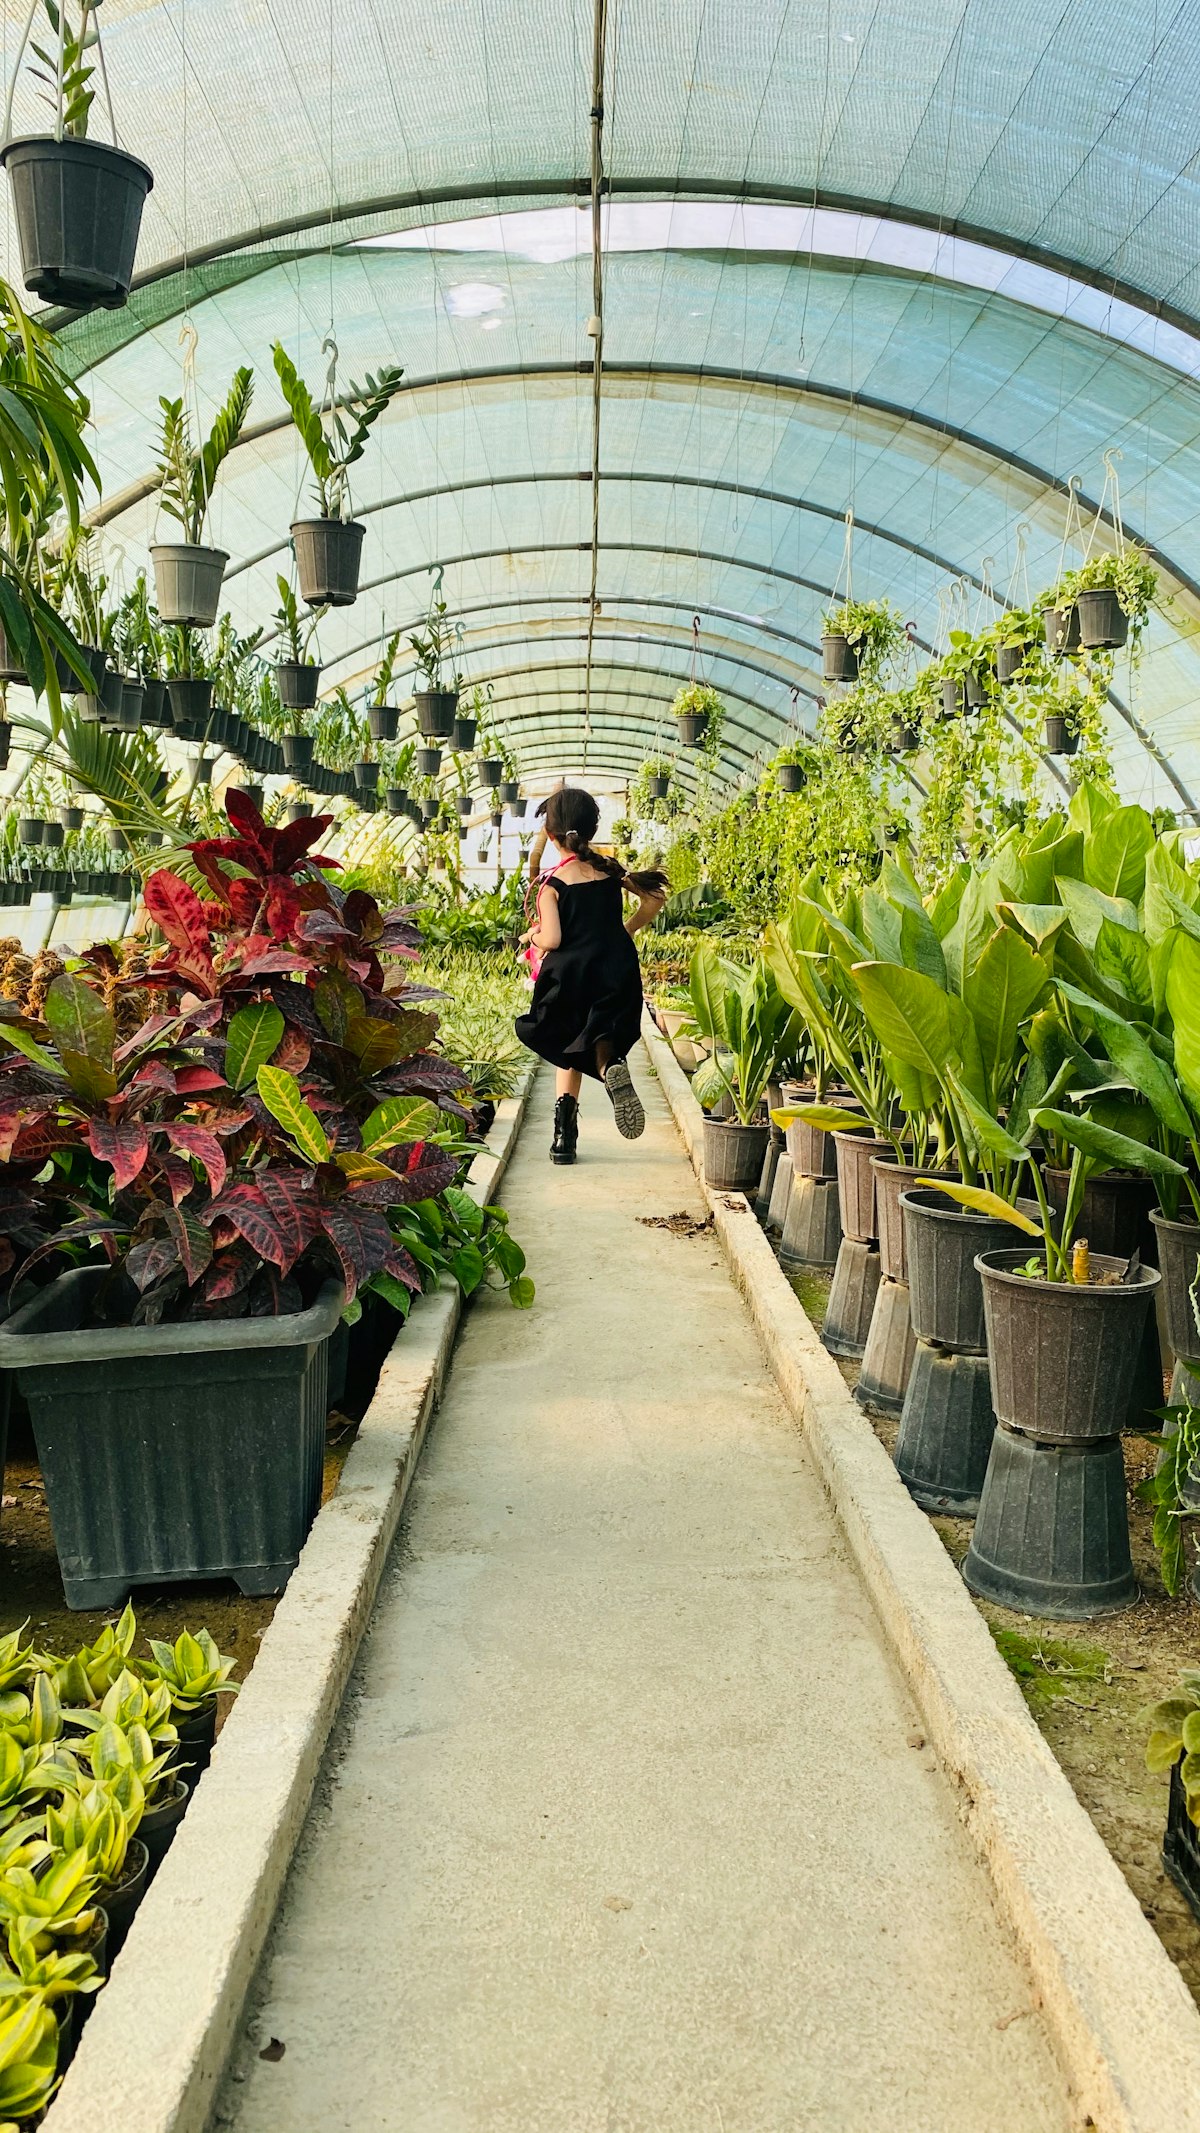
(572, 819)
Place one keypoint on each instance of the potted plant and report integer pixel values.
(1174, 1745)
(466, 723)
(297, 674)
(188, 575)
(857, 637)
(699, 714)
(383, 718)
(436, 705)
(328, 548)
(77, 202)
(743, 1015)
(429, 762)
(966, 674)
(791, 766)
(1112, 595)
(1016, 638)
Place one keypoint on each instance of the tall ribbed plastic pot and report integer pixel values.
(328, 559)
(1103, 622)
(173, 1452)
(1115, 1216)
(1052, 1534)
(297, 682)
(854, 1153)
(462, 738)
(733, 1154)
(190, 698)
(187, 582)
(892, 1181)
(1063, 1357)
(1179, 1265)
(435, 712)
(78, 208)
(942, 1244)
(811, 1149)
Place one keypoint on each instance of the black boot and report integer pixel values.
(566, 1130)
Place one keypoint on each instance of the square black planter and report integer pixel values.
(172, 1453)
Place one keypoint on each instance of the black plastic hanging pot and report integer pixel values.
(133, 697)
(516, 808)
(397, 800)
(187, 582)
(462, 739)
(328, 557)
(52, 834)
(429, 762)
(251, 792)
(1061, 625)
(190, 698)
(383, 720)
(839, 658)
(299, 810)
(429, 808)
(1103, 622)
(904, 739)
(78, 208)
(659, 787)
(692, 726)
(366, 776)
(1010, 658)
(1061, 736)
(71, 818)
(203, 772)
(1063, 1356)
(30, 828)
(491, 770)
(297, 751)
(435, 712)
(507, 790)
(297, 681)
(154, 704)
(791, 777)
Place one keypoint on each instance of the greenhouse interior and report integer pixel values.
(599, 1067)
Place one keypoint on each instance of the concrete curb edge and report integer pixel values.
(154, 2050)
(1123, 2020)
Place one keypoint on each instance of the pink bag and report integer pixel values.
(530, 954)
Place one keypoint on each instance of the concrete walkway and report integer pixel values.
(628, 1827)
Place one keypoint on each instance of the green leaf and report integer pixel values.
(281, 1094)
(398, 1121)
(983, 1202)
(1115, 853)
(1145, 1072)
(909, 1014)
(1087, 909)
(29, 1048)
(393, 1291)
(466, 1211)
(522, 1292)
(1040, 921)
(252, 1036)
(829, 1117)
(1000, 992)
(466, 1265)
(85, 1034)
(1124, 959)
(1116, 1151)
(1183, 1006)
(988, 1131)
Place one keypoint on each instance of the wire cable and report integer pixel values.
(599, 46)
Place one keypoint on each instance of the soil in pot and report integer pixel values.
(1063, 1356)
(1052, 1534)
(78, 207)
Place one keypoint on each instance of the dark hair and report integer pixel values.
(572, 818)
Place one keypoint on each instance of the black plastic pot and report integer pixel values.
(905, 738)
(491, 770)
(297, 682)
(435, 712)
(11, 668)
(839, 658)
(462, 738)
(1010, 658)
(691, 728)
(946, 1430)
(888, 1352)
(297, 752)
(71, 818)
(507, 790)
(190, 698)
(1179, 1264)
(892, 1180)
(52, 834)
(78, 207)
(941, 1245)
(397, 800)
(1181, 1844)
(197, 1728)
(366, 776)
(854, 1153)
(1061, 736)
(145, 1487)
(791, 777)
(161, 1820)
(1063, 1358)
(133, 699)
(251, 792)
(962, 692)
(733, 1154)
(429, 808)
(852, 1294)
(383, 720)
(1115, 1216)
(812, 1227)
(5, 743)
(328, 558)
(155, 711)
(429, 762)
(120, 1900)
(1061, 625)
(1052, 1534)
(659, 787)
(465, 804)
(187, 582)
(299, 810)
(203, 772)
(1103, 623)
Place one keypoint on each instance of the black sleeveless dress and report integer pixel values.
(590, 987)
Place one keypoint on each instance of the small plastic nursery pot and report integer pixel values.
(299, 810)
(1061, 737)
(429, 807)
(692, 726)
(854, 1153)
(145, 1486)
(297, 682)
(190, 698)
(429, 762)
(328, 558)
(941, 1244)
(1181, 1844)
(507, 790)
(791, 777)
(121, 1899)
(1061, 625)
(491, 770)
(733, 1154)
(384, 721)
(962, 692)
(892, 1179)
(1010, 658)
(1103, 623)
(839, 658)
(133, 698)
(462, 737)
(1179, 1264)
(464, 803)
(253, 793)
(1063, 1356)
(161, 1820)
(197, 1728)
(154, 704)
(366, 776)
(297, 751)
(187, 582)
(435, 712)
(397, 800)
(78, 207)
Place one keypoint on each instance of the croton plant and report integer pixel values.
(280, 1114)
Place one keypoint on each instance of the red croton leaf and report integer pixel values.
(292, 1052)
(247, 820)
(148, 1262)
(193, 1243)
(289, 1196)
(245, 899)
(198, 1141)
(195, 1080)
(361, 1238)
(177, 912)
(125, 1143)
(282, 909)
(403, 1267)
(155, 1074)
(293, 841)
(244, 1209)
(232, 1270)
(179, 1177)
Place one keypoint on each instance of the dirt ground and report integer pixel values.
(1088, 1684)
(31, 1589)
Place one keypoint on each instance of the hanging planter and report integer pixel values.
(383, 720)
(1061, 736)
(839, 659)
(202, 771)
(154, 704)
(297, 752)
(516, 808)
(190, 698)
(78, 210)
(1010, 658)
(491, 770)
(435, 712)
(429, 762)
(905, 738)
(71, 818)
(328, 549)
(791, 777)
(366, 775)
(5, 743)
(462, 739)
(328, 559)
(133, 698)
(496, 818)
(691, 727)
(429, 807)
(397, 800)
(299, 810)
(187, 582)
(659, 786)
(1102, 622)
(1062, 630)
(963, 692)
(297, 681)
(507, 790)
(30, 828)
(463, 803)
